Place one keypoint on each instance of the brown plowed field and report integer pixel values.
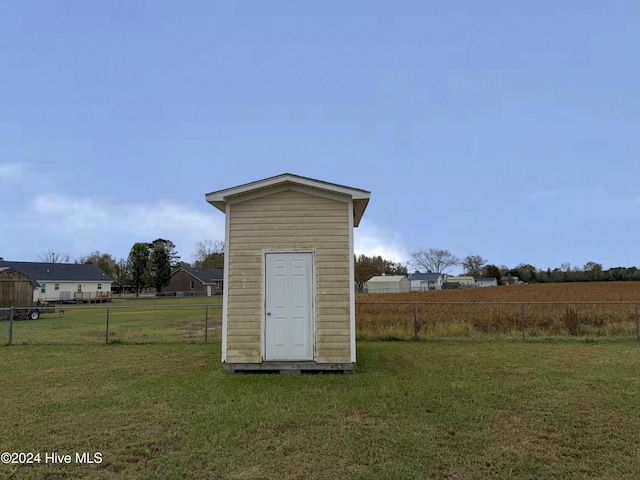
(540, 292)
(427, 318)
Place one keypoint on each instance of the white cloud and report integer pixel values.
(370, 240)
(91, 223)
(170, 216)
(81, 214)
(123, 225)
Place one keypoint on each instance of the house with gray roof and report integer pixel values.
(65, 282)
(421, 282)
(486, 282)
(195, 281)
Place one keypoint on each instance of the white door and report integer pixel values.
(288, 309)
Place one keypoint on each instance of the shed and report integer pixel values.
(389, 284)
(16, 288)
(288, 301)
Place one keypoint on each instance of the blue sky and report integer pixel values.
(505, 129)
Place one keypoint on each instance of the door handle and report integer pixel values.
(268, 313)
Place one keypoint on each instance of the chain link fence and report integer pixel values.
(78, 324)
(525, 320)
(201, 323)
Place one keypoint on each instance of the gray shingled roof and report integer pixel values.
(205, 275)
(424, 276)
(33, 282)
(62, 272)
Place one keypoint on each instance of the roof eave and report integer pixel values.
(360, 198)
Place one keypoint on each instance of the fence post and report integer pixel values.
(416, 327)
(206, 324)
(107, 331)
(11, 325)
(523, 322)
(637, 325)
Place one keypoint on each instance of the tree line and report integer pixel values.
(148, 264)
(151, 265)
(435, 260)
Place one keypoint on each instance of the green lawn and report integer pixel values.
(446, 410)
(163, 320)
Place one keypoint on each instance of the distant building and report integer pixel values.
(486, 282)
(459, 282)
(196, 281)
(65, 282)
(421, 282)
(389, 284)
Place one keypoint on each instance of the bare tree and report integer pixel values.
(209, 254)
(121, 274)
(473, 265)
(51, 256)
(434, 260)
(204, 248)
(104, 260)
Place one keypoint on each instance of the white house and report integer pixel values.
(460, 282)
(65, 282)
(486, 282)
(389, 284)
(421, 282)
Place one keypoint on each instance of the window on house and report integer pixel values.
(192, 284)
(79, 288)
(43, 288)
(99, 286)
(56, 286)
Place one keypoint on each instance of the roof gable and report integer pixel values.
(204, 275)
(360, 198)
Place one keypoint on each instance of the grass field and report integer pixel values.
(445, 410)
(150, 320)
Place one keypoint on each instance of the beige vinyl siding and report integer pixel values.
(288, 220)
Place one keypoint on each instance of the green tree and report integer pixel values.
(525, 272)
(105, 261)
(365, 268)
(138, 264)
(181, 264)
(492, 271)
(593, 271)
(162, 259)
